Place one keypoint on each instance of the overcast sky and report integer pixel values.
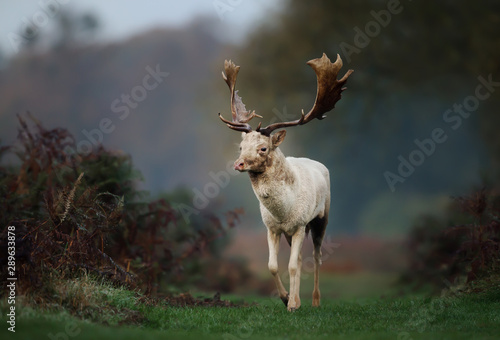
(122, 18)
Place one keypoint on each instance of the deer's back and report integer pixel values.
(313, 179)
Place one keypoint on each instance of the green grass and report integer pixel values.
(403, 318)
(117, 314)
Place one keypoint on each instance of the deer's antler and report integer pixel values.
(241, 116)
(329, 92)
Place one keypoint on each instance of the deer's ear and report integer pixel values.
(278, 137)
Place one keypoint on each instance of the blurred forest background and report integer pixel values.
(413, 61)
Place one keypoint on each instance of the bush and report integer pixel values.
(464, 245)
(75, 211)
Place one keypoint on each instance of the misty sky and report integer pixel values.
(122, 18)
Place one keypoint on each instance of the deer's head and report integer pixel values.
(257, 151)
(258, 147)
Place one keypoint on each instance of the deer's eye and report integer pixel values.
(263, 149)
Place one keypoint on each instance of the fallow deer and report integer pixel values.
(294, 193)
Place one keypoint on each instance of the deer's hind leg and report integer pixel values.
(317, 227)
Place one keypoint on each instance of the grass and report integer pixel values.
(113, 313)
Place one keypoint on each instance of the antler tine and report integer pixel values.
(328, 94)
(240, 115)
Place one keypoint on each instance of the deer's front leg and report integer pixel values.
(294, 267)
(273, 241)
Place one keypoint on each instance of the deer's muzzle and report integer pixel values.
(239, 165)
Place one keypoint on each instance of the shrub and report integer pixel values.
(465, 244)
(75, 211)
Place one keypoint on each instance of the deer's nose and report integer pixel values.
(239, 165)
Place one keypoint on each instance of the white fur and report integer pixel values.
(292, 192)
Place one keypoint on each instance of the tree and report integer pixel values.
(413, 61)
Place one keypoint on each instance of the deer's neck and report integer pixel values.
(275, 187)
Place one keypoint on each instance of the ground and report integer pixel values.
(125, 315)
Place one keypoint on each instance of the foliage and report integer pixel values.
(405, 77)
(416, 68)
(401, 52)
(76, 211)
(441, 255)
(73, 81)
(479, 251)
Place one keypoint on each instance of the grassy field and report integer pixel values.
(117, 314)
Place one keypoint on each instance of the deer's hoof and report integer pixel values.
(285, 299)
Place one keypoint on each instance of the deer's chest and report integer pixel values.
(277, 207)
(277, 198)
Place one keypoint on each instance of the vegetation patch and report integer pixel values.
(77, 214)
(463, 247)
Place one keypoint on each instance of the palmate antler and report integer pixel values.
(328, 94)
(241, 116)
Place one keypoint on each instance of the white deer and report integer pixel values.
(294, 193)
